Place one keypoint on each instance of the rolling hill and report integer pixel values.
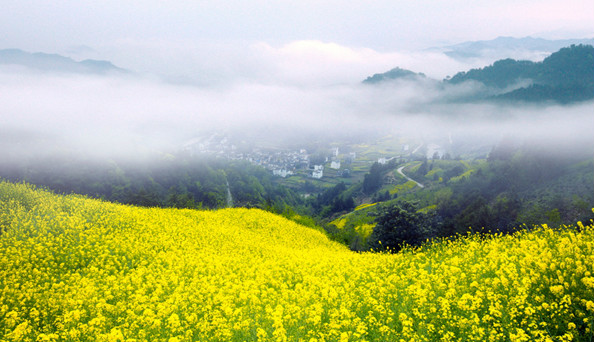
(77, 269)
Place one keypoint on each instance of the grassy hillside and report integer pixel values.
(76, 269)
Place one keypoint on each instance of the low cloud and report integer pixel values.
(289, 93)
(299, 63)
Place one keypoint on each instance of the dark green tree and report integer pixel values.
(423, 169)
(373, 180)
(401, 224)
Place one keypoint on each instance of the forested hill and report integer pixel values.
(565, 76)
(396, 73)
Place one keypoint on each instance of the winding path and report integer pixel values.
(399, 170)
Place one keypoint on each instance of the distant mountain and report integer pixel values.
(500, 74)
(503, 47)
(565, 76)
(396, 73)
(53, 62)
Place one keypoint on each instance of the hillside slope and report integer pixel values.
(76, 269)
(565, 76)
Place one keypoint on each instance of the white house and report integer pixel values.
(281, 172)
(335, 164)
(317, 174)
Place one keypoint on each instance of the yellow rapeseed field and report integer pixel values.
(77, 269)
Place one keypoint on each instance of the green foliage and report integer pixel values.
(423, 168)
(519, 184)
(373, 180)
(402, 224)
(515, 185)
(176, 181)
(382, 196)
(333, 200)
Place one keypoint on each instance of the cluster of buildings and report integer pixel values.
(280, 163)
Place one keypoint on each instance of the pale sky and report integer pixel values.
(239, 64)
(383, 25)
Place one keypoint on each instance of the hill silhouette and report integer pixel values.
(56, 63)
(396, 73)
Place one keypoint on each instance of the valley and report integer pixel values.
(180, 189)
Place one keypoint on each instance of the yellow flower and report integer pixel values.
(588, 281)
(556, 290)
(92, 268)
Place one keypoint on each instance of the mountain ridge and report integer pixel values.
(565, 76)
(57, 63)
(506, 46)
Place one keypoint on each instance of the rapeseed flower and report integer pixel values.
(76, 269)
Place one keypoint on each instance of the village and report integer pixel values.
(283, 163)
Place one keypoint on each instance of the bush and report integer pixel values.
(401, 224)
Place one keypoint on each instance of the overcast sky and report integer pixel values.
(295, 63)
(383, 25)
(215, 40)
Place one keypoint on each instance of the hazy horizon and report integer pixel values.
(283, 69)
